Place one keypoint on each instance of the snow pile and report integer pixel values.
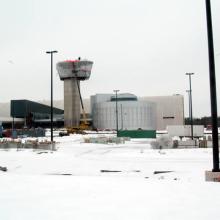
(162, 142)
(85, 181)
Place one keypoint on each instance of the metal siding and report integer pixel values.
(168, 106)
(104, 116)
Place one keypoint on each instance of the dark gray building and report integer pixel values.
(34, 113)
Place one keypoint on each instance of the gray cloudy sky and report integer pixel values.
(140, 46)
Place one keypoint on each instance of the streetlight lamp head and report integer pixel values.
(116, 90)
(53, 51)
(189, 73)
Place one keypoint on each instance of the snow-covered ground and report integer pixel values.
(84, 181)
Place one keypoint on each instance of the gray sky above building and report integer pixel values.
(143, 47)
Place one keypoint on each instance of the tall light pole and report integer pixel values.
(13, 119)
(188, 91)
(51, 100)
(122, 119)
(212, 89)
(191, 110)
(116, 109)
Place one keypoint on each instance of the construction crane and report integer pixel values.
(84, 125)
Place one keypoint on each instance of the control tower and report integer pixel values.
(72, 72)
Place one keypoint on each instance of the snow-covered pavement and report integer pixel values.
(96, 181)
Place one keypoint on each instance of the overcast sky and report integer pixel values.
(143, 47)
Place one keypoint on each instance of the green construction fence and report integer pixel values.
(137, 133)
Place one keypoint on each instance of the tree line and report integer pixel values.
(206, 121)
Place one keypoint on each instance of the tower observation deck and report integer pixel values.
(72, 72)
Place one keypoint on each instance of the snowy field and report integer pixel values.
(83, 181)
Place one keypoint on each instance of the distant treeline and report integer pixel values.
(206, 121)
